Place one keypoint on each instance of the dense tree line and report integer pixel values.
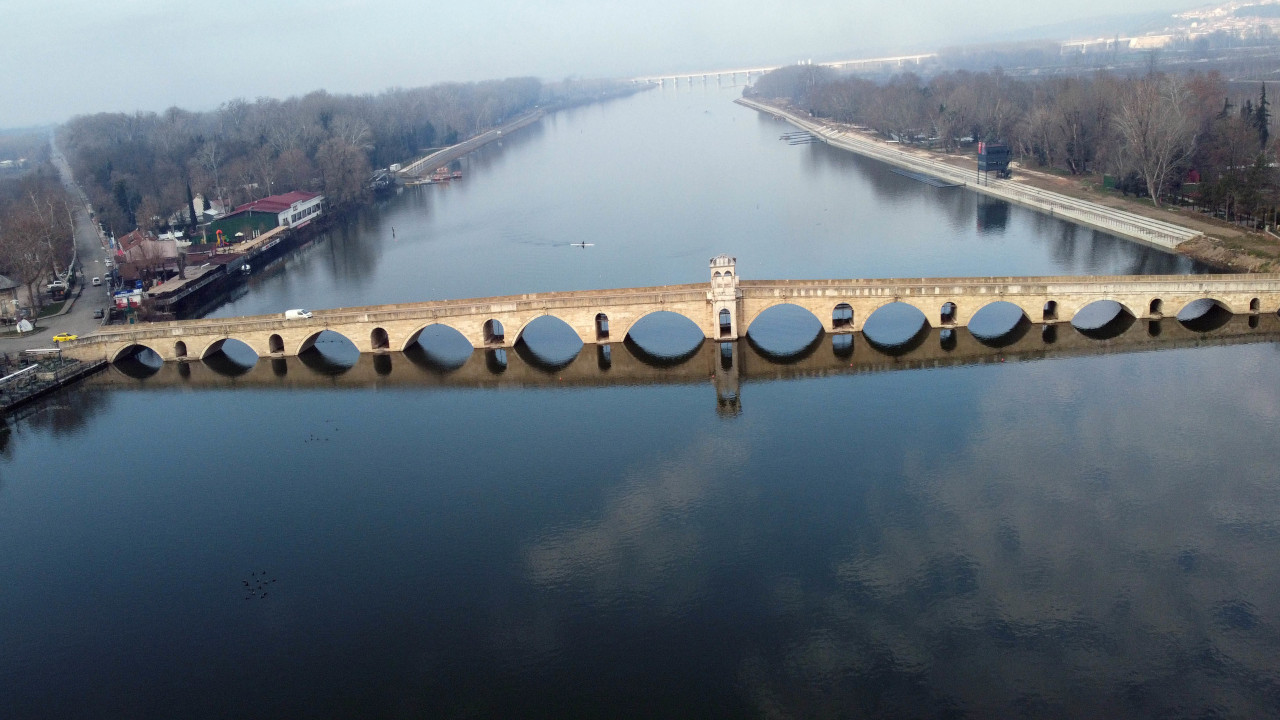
(35, 228)
(1173, 137)
(141, 166)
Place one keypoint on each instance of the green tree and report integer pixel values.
(1262, 118)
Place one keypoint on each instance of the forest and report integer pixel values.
(1185, 138)
(144, 168)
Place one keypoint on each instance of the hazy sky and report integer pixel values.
(66, 57)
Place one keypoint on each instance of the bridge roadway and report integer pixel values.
(724, 365)
(724, 309)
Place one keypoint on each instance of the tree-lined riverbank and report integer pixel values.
(1170, 228)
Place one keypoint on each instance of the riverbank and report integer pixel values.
(1219, 245)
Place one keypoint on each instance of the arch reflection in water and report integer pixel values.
(495, 361)
(440, 348)
(1103, 319)
(139, 361)
(548, 342)
(896, 328)
(947, 339)
(330, 353)
(230, 357)
(664, 336)
(842, 345)
(1204, 315)
(785, 331)
(999, 324)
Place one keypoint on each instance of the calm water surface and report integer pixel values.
(1075, 528)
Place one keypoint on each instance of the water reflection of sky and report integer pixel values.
(1090, 535)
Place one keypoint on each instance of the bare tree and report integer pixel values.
(1156, 129)
(344, 170)
(353, 131)
(33, 234)
(210, 157)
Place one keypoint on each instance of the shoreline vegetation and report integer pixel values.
(148, 170)
(1100, 141)
(142, 170)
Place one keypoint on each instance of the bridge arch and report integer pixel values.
(842, 317)
(947, 314)
(1126, 306)
(1107, 327)
(1217, 301)
(494, 333)
(626, 331)
(544, 341)
(439, 347)
(602, 327)
(379, 339)
(896, 326)
(817, 307)
(1215, 314)
(180, 350)
(999, 323)
(416, 335)
(275, 344)
(310, 340)
(212, 347)
(583, 334)
(130, 349)
(785, 330)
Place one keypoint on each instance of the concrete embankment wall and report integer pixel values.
(1147, 230)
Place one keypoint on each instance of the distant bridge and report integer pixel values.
(748, 72)
(723, 309)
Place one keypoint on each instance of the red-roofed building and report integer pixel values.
(292, 209)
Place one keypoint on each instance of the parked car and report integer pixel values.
(97, 281)
(297, 314)
(98, 313)
(64, 337)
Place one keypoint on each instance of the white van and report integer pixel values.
(297, 314)
(97, 281)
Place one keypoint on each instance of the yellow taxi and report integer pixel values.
(63, 337)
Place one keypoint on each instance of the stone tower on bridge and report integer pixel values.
(726, 298)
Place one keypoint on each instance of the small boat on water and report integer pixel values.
(582, 244)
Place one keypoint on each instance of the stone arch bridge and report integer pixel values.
(724, 309)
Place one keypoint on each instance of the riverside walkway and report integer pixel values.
(722, 309)
(1161, 234)
(444, 156)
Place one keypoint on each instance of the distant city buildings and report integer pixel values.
(1239, 18)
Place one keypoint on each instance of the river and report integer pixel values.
(1071, 524)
